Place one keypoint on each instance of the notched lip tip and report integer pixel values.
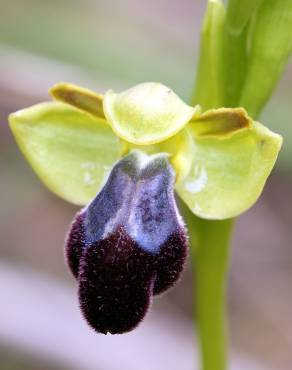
(111, 331)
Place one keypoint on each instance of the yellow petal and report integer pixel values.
(220, 123)
(79, 97)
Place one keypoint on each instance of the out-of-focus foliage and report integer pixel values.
(99, 37)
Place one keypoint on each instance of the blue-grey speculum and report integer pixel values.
(128, 244)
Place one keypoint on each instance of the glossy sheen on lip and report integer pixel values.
(128, 244)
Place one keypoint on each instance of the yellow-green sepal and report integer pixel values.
(147, 114)
(228, 174)
(70, 151)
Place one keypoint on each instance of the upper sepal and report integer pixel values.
(147, 113)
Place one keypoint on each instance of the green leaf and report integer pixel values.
(227, 176)
(70, 151)
(235, 64)
(234, 33)
(209, 90)
(239, 12)
(271, 45)
(146, 114)
(79, 97)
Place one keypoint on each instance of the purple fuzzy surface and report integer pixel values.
(128, 244)
(117, 278)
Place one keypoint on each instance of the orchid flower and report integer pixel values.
(123, 156)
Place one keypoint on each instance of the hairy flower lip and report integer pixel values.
(139, 192)
(109, 302)
(159, 273)
(116, 289)
(127, 246)
(75, 243)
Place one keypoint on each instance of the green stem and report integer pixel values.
(211, 259)
(210, 250)
(227, 76)
(211, 239)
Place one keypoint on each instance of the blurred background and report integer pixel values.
(104, 44)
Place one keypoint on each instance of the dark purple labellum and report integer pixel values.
(128, 244)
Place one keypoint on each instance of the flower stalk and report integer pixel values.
(237, 45)
(211, 276)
